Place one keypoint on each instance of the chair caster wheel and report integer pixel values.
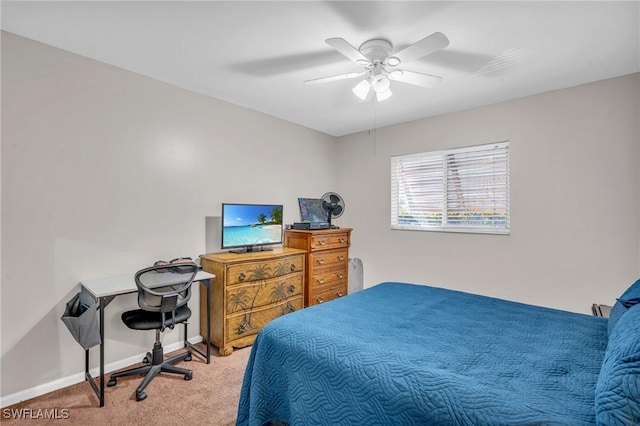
(112, 382)
(188, 358)
(188, 376)
(140, 396)
(147, 358)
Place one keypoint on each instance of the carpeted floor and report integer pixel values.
(210, 398)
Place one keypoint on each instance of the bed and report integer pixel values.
(406, 354)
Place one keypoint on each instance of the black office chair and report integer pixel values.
(162, 297)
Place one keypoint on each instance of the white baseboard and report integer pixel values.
(79, 377)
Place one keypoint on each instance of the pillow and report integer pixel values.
(627, 303)
(632, 291)
(618, 389)
(619, 307)
(615, 314)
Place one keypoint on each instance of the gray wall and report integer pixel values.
(105, 171)
(575, 212)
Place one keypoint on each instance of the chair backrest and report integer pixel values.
(165, 291)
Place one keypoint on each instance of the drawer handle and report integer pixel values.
(320, 280)
(340, 294)
(341, 240)
(322, 242)
(241, 277)
(320, 261)
(340, 275)
(341, 258)
(290, 309)
(293, 267)
(292, 288)
(320, 300)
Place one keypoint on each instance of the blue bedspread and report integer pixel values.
(403, 354)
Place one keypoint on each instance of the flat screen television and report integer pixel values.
(251, 227)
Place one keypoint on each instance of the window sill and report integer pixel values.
(459, 230)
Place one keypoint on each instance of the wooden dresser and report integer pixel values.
(327, 265)
(248, 291)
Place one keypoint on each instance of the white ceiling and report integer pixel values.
(257, 54)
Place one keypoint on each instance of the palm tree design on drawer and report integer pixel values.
(240, 299)
(281, 291)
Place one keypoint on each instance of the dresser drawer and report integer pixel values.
(328, 258)
(244, 297)
(329, 241)
(327, 294)
(242, 324)
(328, 277)
(261, 270)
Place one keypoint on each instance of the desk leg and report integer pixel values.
(102, 306)
(99, 391)
(208, 339)
(207, 284)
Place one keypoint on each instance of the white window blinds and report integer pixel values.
(459, 190)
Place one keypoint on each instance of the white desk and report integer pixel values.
(104, 290)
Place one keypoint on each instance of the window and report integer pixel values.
(456, 190)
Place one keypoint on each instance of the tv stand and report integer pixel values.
(249, 291)
(254, 249)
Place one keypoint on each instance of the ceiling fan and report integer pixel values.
(381, 66)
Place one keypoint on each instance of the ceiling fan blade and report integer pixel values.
(334, 78)
(342, 46)
(415, 78)
(424, 47)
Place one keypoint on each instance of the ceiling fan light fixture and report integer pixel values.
(361, 90)
(381, 96)
(380, 83)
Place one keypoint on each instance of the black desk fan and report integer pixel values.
(333, 205)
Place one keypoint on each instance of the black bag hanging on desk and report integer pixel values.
(81, 319)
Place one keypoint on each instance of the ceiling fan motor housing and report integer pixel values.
(376, 50)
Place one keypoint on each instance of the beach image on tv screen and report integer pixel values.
(246, 225)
